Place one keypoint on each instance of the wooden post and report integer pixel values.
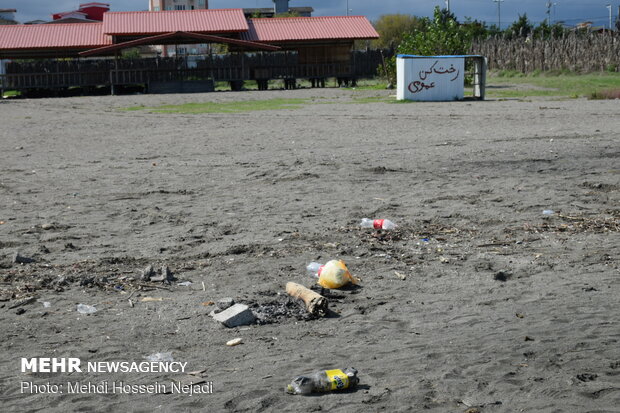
(315, 303)
(112, 87)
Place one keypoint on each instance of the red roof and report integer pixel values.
(35, 36)
(283, 29)
(157, 22)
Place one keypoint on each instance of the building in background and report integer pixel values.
(163, 5)
(86, 13)
(7, 16)
(172, 5)
(271, 12)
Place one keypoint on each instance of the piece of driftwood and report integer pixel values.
(316, 304)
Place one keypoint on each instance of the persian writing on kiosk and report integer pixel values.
(419, 85)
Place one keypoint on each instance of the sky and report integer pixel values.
(569, 11)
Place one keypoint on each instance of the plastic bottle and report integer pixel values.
(314, 269)
(334, 274)
(377, 223)
(324, 381)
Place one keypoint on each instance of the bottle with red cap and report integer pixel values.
(377, 223)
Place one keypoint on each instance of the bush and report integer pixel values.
(441, 36)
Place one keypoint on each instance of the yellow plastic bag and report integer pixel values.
(335, 274)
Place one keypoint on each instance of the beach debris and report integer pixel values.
(400, 275)
(528, 338)
(185, 283)
(147, 273)
(234, 342)
(86, 309)
(281, 308)
(164, 276)
(207, 303)
(20, 311)
(587, 377)
(548, 212)
(21, 259)
(502, 276)
(47, 226)
(165, 357)
(377, 223)
(197, 373)
(22, 302)
(235, 316)
(316, 304)
(224, 303)
(334, 274)
(46, 304)
(324, 381)
(151, 299)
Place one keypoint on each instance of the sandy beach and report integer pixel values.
(477, 302)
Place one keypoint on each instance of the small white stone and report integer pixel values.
(234, 342)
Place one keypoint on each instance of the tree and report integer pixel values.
(392, 27)
(442, 37)
(544, 31)
(520, 28)
(475, 28)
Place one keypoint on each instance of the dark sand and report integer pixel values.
(503, 309)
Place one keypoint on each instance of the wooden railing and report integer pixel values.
(302, 71)
(52, 80)
(144, 76)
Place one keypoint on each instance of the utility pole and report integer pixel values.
(499, 14)
(549, 13)
(448, 5)
(609, 8)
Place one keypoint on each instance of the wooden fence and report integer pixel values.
(576, 52)
(234, 68)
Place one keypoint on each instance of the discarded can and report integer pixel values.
(324, 381)
(334, 274)
(377, 223)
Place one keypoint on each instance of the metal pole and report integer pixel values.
(347, 7)
(609, 8)
(448, 5)
(499, 14)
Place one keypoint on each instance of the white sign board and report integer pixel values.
(430, 78)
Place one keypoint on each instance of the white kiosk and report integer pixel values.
(438, 78)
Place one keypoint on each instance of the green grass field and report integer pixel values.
(568, 85)
(499, 86)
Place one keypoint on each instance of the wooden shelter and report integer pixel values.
(315, 47)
